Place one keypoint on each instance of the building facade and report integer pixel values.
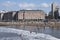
(54, 13)
(7, 16)
(53, 8)
(31, 14)
(22, 15)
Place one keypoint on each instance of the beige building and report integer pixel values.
(31, 14)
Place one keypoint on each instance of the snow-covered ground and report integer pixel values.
(23, 35)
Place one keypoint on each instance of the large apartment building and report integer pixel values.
(31, 14)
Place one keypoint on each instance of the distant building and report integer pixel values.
(59, 12)
(53, 8)
(54, 13)
(31, 14)
(3, 11)
(23, 15)
(0, 16)
(15, 15)
(7, 16)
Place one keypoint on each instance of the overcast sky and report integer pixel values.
(12, 5)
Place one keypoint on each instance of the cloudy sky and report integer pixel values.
(12, 5)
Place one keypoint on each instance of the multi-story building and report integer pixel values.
(53, 8)
(54, 14)
(22, 15)
(31, 14)
(15, 15)
(6, 16)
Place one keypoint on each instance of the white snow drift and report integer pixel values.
(27, 35)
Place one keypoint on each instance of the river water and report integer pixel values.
(55, 32)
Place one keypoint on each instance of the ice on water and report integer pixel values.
(23, 35)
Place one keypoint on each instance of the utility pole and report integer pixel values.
(23, 15)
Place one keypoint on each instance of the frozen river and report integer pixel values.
(28, 33)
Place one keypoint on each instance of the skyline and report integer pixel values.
(12, 5)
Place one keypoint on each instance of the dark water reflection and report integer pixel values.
(47, 30)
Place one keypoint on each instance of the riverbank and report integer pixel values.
(51, 28)
(50, 24)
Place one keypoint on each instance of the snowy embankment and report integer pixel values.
(27, 35)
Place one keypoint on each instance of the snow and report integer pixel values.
(26, 35)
